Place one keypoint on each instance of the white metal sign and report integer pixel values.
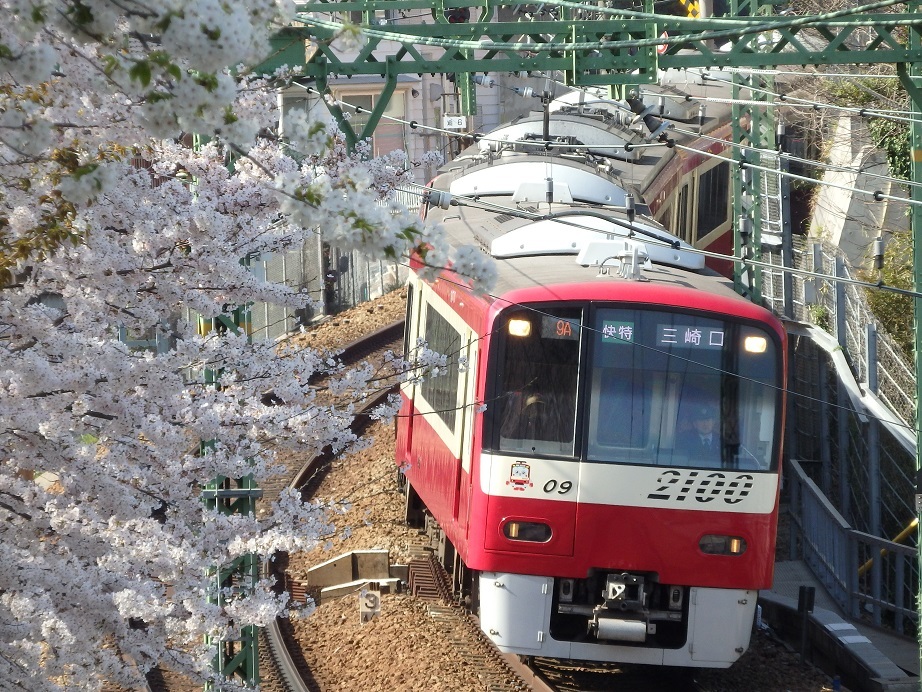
(369, 605)
(452, 121)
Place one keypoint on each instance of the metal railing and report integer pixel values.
(870, 578)
(850, 425)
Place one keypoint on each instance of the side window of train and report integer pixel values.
(681, 214)
(713, 200)
(441, 390)
(409, 331)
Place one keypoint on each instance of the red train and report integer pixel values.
(601, 452)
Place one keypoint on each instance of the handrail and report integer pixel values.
(883, 594)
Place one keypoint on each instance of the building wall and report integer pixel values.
(848, 219)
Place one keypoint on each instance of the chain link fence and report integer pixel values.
(841, 309)
(851, 424)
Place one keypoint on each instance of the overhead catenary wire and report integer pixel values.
(537, 216)
(628, 147)
(790, 157)
(781, 389)
(794, 101)
(877, 195)
(785, 101)
(797, 159)
(479, 136)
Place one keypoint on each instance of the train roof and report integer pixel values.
(558, 200)
(586, 126)
(564, 244)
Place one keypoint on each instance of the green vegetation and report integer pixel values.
(891, 136)
(895, 310)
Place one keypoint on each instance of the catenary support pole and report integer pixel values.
(911, 77)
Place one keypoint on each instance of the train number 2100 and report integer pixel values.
(679, 486)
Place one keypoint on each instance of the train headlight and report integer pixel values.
(519, 327)
(527, 531)
(755, 344)
(713, 544)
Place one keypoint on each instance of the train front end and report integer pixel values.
(628, 476)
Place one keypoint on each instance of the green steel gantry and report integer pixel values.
(619, 44)
(611, 44)
(236, 655)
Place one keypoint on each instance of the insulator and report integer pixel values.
(746, 176)
(644, 113)
(629, 207)
(665, 125)
(879, 253)
(439, 198)
(745, 227)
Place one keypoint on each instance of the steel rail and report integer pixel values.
(291, 677)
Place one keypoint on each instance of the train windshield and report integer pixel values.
(539, 374)
(677, 389)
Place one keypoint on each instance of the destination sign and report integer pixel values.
(689, 336)
(667, 335)
(559, 328)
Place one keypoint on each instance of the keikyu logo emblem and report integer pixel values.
(520, 476)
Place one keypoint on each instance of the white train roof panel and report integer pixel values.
(505, 179)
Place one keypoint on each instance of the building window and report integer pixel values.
(388, 136)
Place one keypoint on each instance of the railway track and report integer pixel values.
(388, 338)
(280, 653)
(427, 579)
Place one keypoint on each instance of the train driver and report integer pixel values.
(701, 442)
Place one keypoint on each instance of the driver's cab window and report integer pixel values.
(535, 403)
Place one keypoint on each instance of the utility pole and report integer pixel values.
(911, 77)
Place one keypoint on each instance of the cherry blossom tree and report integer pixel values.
(106, 540)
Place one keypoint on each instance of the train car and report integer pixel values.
(600, 452)
(687, 187)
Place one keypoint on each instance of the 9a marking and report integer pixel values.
(561, 488)
(564, 328)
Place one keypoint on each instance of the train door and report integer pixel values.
(405, 418)
(469, 412)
